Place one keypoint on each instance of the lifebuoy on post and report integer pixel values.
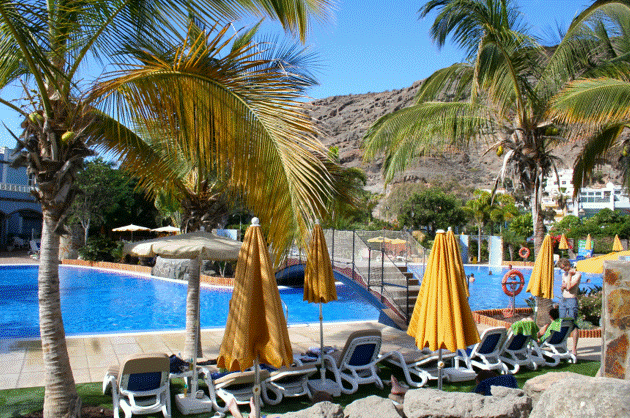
(524, 252)
(512, 287)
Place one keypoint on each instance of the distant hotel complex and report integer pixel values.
(589, 201)
(20, 214)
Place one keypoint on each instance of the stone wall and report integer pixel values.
(616, 320)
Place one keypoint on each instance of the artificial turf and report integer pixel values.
(18, 402)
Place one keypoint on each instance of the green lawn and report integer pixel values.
(16, 402)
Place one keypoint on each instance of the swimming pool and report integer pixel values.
(486, 291)
(97, 301)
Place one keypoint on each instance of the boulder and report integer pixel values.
(319, 410)
(584, 397)
(370, 407)
(505, 403)
(535, 387)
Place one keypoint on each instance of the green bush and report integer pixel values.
(101, 248)
(590, 311)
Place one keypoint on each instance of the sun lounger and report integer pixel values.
(356, 363)
(140, 385)
(554, 348)
(485, 354)
(420, 366)
(517, 352)
(287, 382)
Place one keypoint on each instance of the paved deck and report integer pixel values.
(21, 360)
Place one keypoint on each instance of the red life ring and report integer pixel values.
(510, 287)
(524, 252)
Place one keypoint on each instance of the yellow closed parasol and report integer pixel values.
(589, 243)
(442, 318)
(563, 244)
(453, 247)
(617, 244)
(319, 283)
(256, 329)
(541, 281)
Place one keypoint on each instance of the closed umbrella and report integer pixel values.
(617, 244)
(453, 247)
(589, 244)
(256, 329)
(131, 228)
(442, 318)
(563, 244)
(541, 281)
(196, 246)
(319, 283)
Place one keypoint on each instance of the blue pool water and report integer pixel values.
(486, 291)
(95, 301)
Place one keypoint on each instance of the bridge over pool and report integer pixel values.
(374, 263)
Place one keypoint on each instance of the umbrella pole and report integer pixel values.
(440, 367)
(256, 410)
(193, 387)
(322, 369)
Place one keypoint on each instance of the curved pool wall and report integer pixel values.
(96, 301)
(295, 274)
(486, 291)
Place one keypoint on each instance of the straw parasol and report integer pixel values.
(195, 246)
(617, 244)
(453, 247)
(131, 228)
(379, 239)
(589, 244)
(256, 329)
(541, 281)
(442, 318)
(167, 229)
(563, 244)
(319, 283)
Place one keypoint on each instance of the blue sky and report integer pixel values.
(378, 45)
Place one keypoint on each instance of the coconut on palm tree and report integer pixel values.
(500, 96)
(45, 47)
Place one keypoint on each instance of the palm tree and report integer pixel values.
(44, 47)
(480, 209)
(599, 105)
(198, 149)
(501, 96)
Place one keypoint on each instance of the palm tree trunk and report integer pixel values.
(537, 218)
(60, 399)
(192, 312)
(479, 246)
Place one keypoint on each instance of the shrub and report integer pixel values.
(101, 248)
(590, 311)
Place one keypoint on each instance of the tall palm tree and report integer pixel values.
(44, 47)
(598, 106)
(261, 148)
(480, 209)
(500, 96)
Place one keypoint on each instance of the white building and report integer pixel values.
(590, 199)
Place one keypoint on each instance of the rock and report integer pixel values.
(319, 410)
(536, 386)
(425, 403)
(584, 397)
(370, 407)
(171, 268)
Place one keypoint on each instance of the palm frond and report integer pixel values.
(448, 84)
(594, 102)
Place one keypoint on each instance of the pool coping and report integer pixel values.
(485, 317)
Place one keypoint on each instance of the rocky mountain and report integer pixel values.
(343, 120)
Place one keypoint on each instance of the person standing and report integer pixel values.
(568, 302)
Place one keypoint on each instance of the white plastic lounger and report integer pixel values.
(420, 366)
(554, 348)
(516, 352)
(485, 354)
(287, 382)
(140, 385)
